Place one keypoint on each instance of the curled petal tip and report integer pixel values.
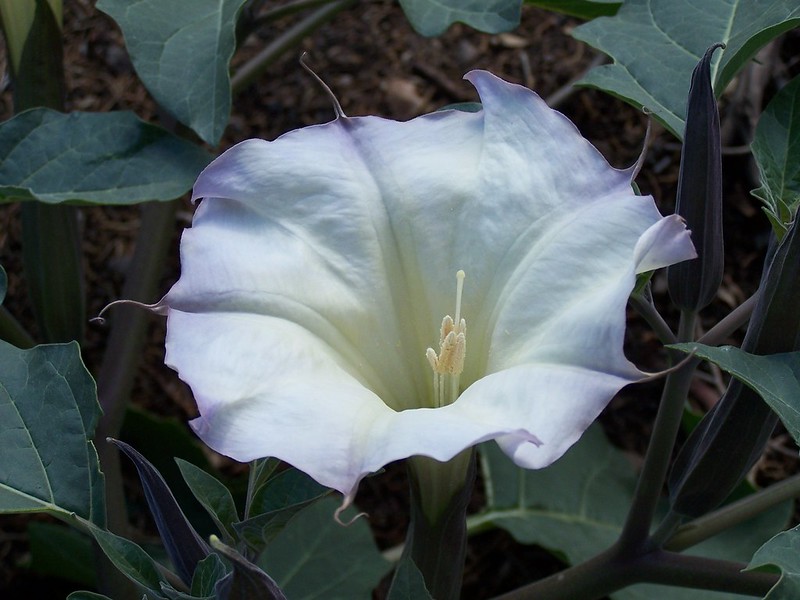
(346, 502)
(159, 308)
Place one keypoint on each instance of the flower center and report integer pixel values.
(448, 364)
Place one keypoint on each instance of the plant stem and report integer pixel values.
(649, 313)
(289, 8)
(560, 96)
(656, 464)
(252, 69)
(613, 570)
(696, 572)
(728, 516)
(595, 578)
(732, 321)
(669, 524)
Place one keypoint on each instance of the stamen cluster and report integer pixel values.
(448, 364)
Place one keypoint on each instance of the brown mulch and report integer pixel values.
(377, 65)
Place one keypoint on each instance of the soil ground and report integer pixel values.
(377, 65)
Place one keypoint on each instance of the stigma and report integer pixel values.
(448, 363)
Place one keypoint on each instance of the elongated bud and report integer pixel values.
(183, 544)
(694, 283)
(731, 438)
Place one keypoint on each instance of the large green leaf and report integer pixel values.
(577, 506)
(782, 551)
(433, 17)
(655, 45)
(181, 50)
(315, 558)
(776, 377)
(48, 413)
(102, 158)
(776, 148)
(584, 9)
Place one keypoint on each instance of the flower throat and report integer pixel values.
(448, 364)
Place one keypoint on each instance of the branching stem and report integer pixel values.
(732, 321)
(728, 516)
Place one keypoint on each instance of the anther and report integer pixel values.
(452, 339)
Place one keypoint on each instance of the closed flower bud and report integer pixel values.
(731, 438)
(693, 284)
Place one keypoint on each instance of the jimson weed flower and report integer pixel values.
(367, 290)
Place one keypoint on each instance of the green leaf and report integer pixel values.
(408, 583)
(261, 471)
(275, 504)
(181, 50)
(433, 17)
(209, 571)
(130, 559)
(48, 413)
(213, 495)
(782, 551)
(776, 148)
(99, 158)
(775, 377)
(655, 45)
(576, 508)
(60, 551)
(315, 558)
(583, 9)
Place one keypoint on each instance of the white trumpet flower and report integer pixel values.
(308, 318)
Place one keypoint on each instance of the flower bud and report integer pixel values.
(731, 438)
(694, 283)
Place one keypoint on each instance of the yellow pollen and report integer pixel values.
(448, 364)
